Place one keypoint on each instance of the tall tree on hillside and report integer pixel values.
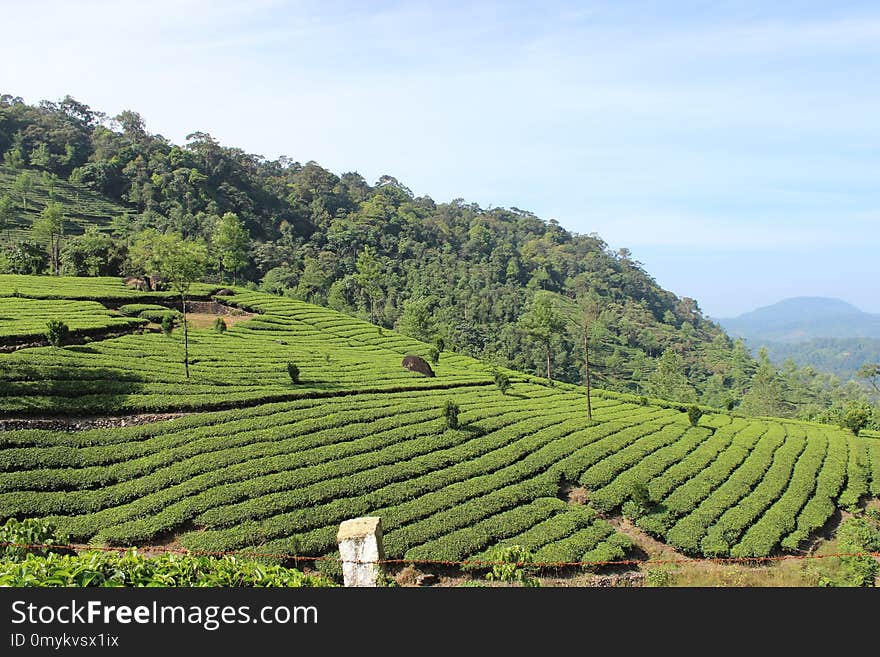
(589, 307)
(766, 393)
(230, 240)
(368, 274)
(181, 262)
(542, 321)
(50, 227)
(24, 183)
(7, 213)
(871, 372)
(669, 381)
(582, 317)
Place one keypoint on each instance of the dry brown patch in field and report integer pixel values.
(206, 320)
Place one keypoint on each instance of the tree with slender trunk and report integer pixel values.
(581, 316)
(50, 227)
(230, 240)
(871, 372)
(589, 313)
(367, 276)
(542, 321)
(181, 262)
(23, 185)
(7, 213)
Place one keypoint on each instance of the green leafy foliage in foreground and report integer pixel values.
(858, 534)
(133, 569)
(25, 564)
(20, 538)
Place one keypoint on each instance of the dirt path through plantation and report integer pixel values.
(651, 546)
(83, 423)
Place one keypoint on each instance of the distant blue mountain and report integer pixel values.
(800, 319)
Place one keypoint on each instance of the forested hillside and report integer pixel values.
(500, 284)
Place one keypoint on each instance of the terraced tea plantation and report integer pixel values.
(25, 319)
(83, 207)
(259, 462)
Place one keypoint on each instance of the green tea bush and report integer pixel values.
(502, 382)
(56, 332)
(450, 414)
(514, 565)
(167, 323)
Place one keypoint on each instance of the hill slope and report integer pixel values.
(453, 272)
(360, 435)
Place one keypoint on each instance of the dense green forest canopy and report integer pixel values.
(474, 278)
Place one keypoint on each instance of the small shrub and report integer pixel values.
(219, 325)
(293, 373)
(513, 566)
(857, 535)
(658, 577)
(167, 323)
(56, 332)
(856, 417)
(730, 404)
(450, 413)
(694, 414)
(643, 401)
(434, 355)
(439, 343)
(639, 503)
(502, 382)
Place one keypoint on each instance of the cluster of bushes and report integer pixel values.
(781, 518)
(684, 486)
(725, 510)
(34, 566)
(857, 474)
(429, 485)
(105, 569)
(616, 492)
(821, 504)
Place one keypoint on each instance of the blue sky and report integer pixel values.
(732, 146)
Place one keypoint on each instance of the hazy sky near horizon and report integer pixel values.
(732, 146)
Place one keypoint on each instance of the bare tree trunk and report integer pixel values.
(549, 378)
(185, 338)
(587, 375)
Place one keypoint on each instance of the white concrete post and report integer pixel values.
(360, 547)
